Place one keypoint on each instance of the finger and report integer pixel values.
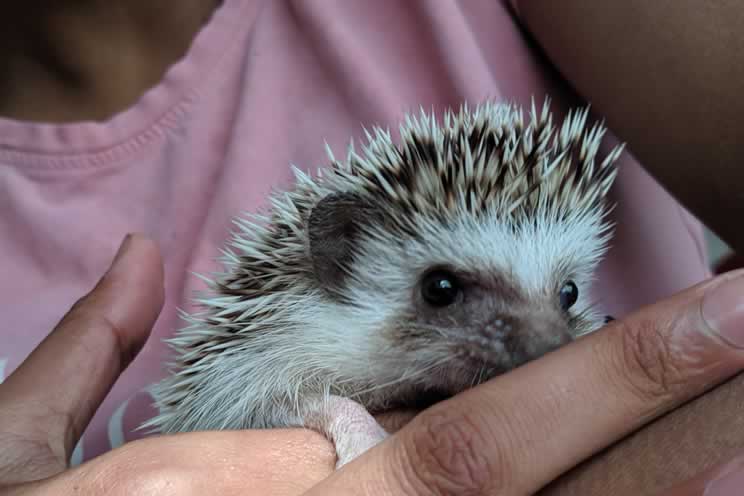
(516, 433)
(276, 462)
(51, 397)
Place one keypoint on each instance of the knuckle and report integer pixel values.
(86, 315)
(649, 366)
(101, 320)
(445, 454)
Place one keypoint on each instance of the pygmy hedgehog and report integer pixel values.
(401, 275)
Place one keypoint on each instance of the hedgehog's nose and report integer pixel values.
(537, 334)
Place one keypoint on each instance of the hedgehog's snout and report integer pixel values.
(535, 334)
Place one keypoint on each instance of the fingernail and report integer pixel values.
(723, 310)
(122, 250)
(729, 484)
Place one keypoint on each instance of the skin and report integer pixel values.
(685, 58)
(65, 85)
(71, 60)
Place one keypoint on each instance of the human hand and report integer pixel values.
(509, 436)
(47, 402)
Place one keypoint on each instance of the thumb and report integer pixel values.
(48, 401)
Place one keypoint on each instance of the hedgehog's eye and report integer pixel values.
(569, 294)
(440, 288)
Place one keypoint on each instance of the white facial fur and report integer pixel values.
(384, 282)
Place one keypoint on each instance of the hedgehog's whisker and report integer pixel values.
(405, 377)
(478, 375)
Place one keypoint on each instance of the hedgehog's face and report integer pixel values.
(457, 303)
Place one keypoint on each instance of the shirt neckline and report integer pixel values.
(90, 143)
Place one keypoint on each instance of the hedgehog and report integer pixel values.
(398, 276)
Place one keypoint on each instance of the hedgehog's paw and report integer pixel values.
(347, 424)
(353, 432)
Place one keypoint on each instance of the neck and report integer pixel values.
(70, 60)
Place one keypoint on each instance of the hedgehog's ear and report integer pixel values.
(334, 226)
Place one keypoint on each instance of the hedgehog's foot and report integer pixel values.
(347, 424)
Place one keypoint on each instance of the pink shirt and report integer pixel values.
(263, 85)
